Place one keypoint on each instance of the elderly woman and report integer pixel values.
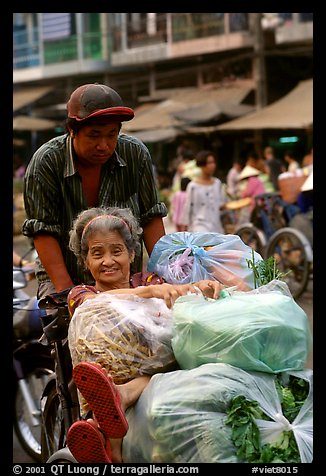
(106, 242)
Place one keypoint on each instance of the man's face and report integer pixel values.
(95, 143)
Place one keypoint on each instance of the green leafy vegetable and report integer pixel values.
(245, 433)
(241, 416)
(265, 270)
(293, 396)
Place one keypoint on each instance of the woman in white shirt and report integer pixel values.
(290, 159)
(205, 197)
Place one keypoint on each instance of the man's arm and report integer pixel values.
(153, 231)
(50, 254)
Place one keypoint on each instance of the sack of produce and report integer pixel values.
(217, 413)
(186, 257)
(263, 330)
(127, 335)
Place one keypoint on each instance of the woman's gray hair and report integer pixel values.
(120, 220)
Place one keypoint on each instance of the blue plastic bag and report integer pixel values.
(186, 257)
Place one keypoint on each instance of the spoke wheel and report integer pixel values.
(28, 432)
(252, 237)
(291, 251)
(52, 438)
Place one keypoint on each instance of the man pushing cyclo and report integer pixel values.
(91, 202)
(93, 165)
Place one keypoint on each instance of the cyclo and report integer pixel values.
(269, 232)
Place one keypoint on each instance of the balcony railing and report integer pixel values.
(29, 52)
(186, 26)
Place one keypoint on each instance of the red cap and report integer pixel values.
(91, 100)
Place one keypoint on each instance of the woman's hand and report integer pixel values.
(171, 292)
(209, 288)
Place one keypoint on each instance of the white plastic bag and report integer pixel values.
(302, 426)
(127, 335)
(180, 416)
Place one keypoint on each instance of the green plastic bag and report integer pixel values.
(262, 330)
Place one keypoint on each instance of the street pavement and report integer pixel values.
(21, 246)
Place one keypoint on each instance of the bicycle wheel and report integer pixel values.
(293, 255)
(62, 456)
(53, 428)
(252, 237)
(28, 433)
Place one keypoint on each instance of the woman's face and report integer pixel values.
(108, 260)
(210, 165)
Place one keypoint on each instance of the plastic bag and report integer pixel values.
(185, 257)
(302, 425)
(262, 330)
(180, 416)
(127, 335)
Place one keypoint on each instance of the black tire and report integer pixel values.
(53, 428)
(252, 237)
(293, 255)
(29, 435)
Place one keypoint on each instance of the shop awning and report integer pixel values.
(212, 111)
(293, 111)
(23, 97)
(155, 116)
(156, 135)
(192, 106)
(29, 123)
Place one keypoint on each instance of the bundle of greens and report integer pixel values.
(217, 413)
(242, 414)
(264, 271)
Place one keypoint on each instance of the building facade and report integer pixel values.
(145, 55)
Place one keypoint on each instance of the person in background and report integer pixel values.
(177, 203)
(93, 164)
(106, 241)
(308, 159)
(19, 166)
(232, 182)
(303, 221)
(205, 197)
(20, 262)
(274, 166)
(258, 163)
(290, 159)
(186, 168)
(252, 185)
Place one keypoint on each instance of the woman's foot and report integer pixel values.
(87, 444)
(103, 398)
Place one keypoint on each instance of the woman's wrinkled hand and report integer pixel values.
(209, 288)
(171, 292)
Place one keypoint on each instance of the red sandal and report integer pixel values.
(87, 444)
(99, 390)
